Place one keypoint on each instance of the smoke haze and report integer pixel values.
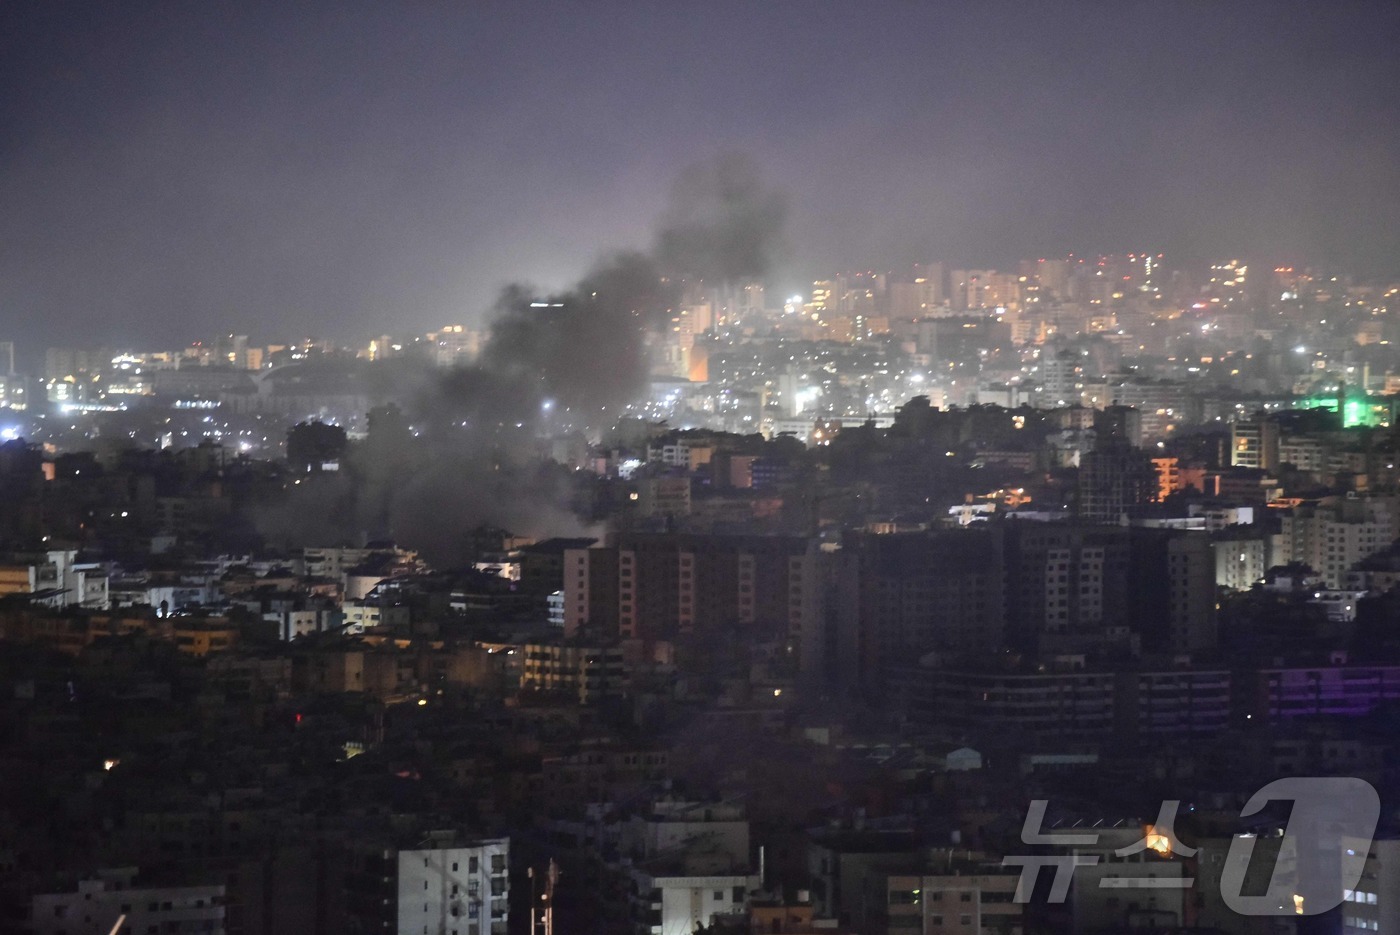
(469, 447)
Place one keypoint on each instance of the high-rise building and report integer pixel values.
(968, 287)
(909, 300)
(14, 392)
(1254, 443)
(1064, 583)
(751, 299)
(1003, 290)
(908, 594)
(665, 585)
(1071, 587)
(1174, 590)
(61, 362)
(591, 590)
(448, 884)
(1164, 405)
(1116, 481)
(1332, 536)
(1060, 380)
(1119, 425)
(231, 350)
(923, 296)
(455, 344)
(1168, 477)
(1227, 281)
(1053, 276)
(1240, 560)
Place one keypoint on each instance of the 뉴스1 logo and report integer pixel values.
(1327, 838)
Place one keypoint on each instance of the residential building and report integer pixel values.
(98, 903)
(690, 863)
(1254, 443)
(1336, 534)
(978, 900)
(450, 885)
(669, 585)
(585, 671)
(1115, 482)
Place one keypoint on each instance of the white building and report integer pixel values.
(188, 593)
(691, 864)
(97, 905)
(357, 616)
(335, 562)
(968, 513)
(1374, 905)
(1060, 379)
(294, 623)
(1340, 606)
(89, 586)
(1222, 517)
(454, 345)
(450, 887)
(677, 452)
(672, 903)
(505, 566)
(1240, 563)
(66, 582)
(1333, 536)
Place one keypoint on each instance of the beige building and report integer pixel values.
(1336, 534)
(966, 904)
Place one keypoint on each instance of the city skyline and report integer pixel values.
(326, 169)
(897, 468)
(1189, 281)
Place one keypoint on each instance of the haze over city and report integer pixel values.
(325, 169)
(699, 469)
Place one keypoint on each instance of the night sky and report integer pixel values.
(171, 171)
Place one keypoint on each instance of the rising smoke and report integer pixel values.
(471, 447)
(586, 348)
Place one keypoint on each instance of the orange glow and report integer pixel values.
(1156, 841)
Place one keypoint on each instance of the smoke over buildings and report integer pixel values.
(467, 447)
(585, 348)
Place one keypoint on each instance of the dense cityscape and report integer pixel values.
(727, 589)
(943, 541)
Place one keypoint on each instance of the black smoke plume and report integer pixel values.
(723, 224)
(470, 447)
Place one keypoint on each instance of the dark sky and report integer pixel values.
(171, 170)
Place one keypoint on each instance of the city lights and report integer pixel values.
(868, 468)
